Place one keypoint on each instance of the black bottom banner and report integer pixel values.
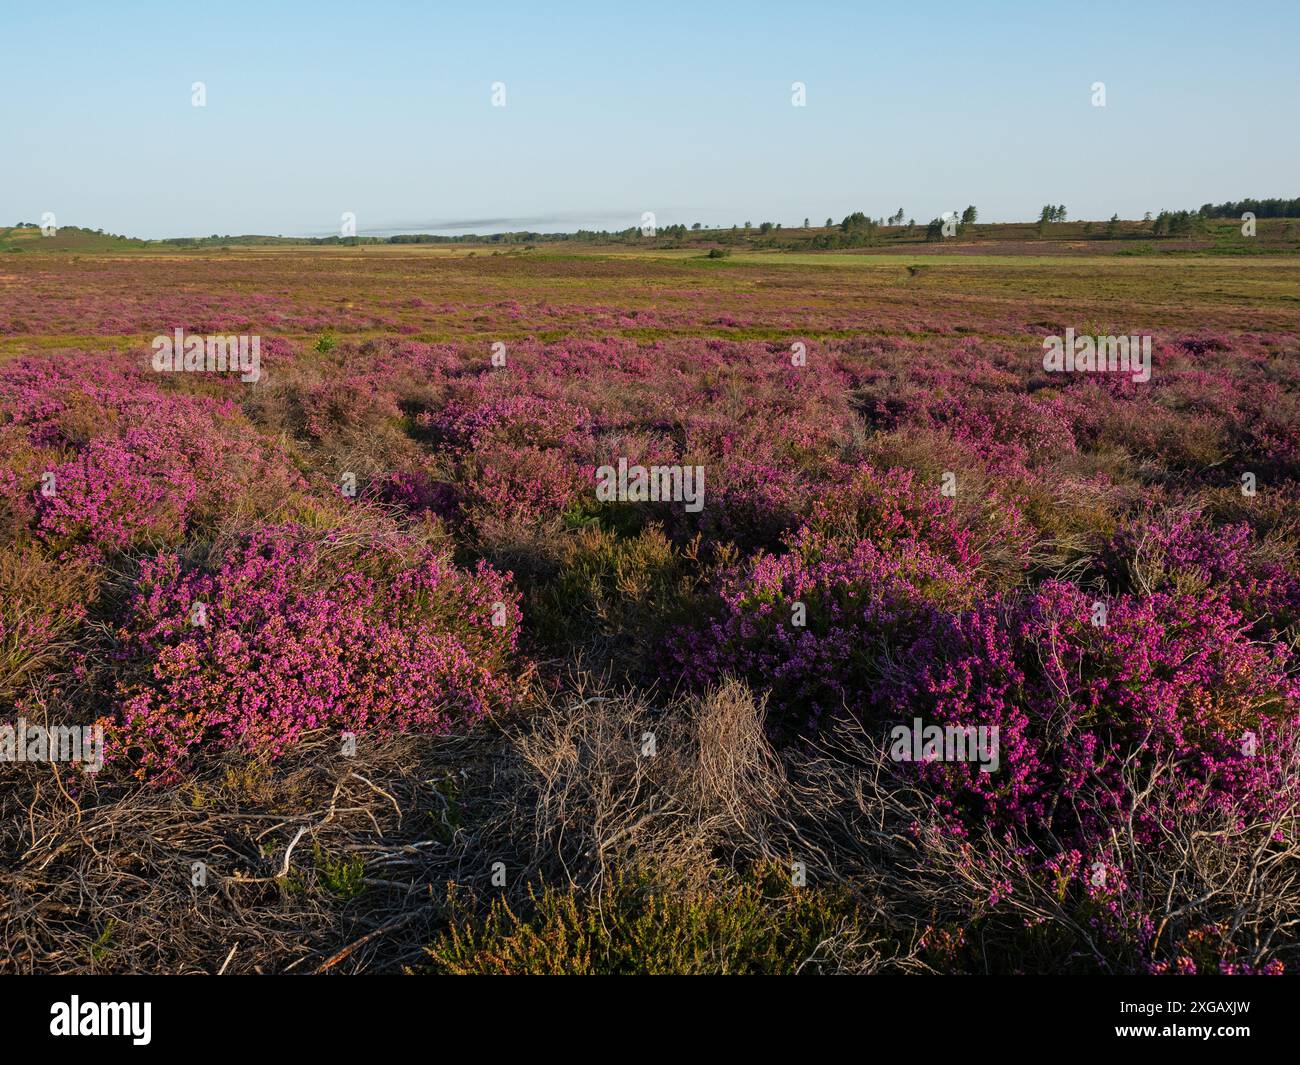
(219, 1015)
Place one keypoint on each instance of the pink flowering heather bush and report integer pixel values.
(1185, 552)
(1167, 676)
(133, 465)
(856, 602)
(875, 559)
(525, 483)
(756, 503)
(872, 561)
(114, 494)
(298, 633)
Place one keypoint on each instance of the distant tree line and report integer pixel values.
(1259, 208)
(855, 230)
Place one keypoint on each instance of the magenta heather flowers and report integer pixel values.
(290, 633)
(127, 463)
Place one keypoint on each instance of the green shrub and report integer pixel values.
(629, 588)
(762, 926)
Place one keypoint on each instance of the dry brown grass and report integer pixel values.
(304, 859)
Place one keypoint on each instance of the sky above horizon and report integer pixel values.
(385, 110)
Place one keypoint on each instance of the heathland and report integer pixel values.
(383, 684)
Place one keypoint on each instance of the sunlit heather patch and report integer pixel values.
(296, 634)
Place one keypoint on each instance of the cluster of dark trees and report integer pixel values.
(1179, 224)
(856, 230)
(1259, 208)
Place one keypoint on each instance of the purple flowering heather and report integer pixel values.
(292, 633)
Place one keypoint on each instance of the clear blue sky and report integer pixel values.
(615, 108)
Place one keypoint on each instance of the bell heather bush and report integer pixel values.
(298, 633)
(1167, 676)
(1182, 551)
(133, 465)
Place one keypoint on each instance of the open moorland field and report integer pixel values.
(386, 684)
